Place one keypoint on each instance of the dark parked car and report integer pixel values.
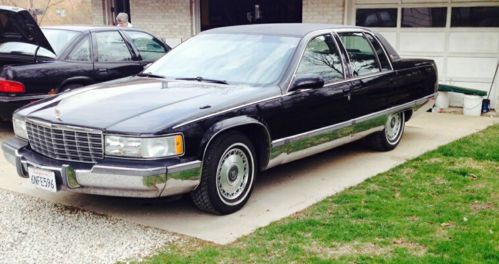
(218, 109)
(36, 63)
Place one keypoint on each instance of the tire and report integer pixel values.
(390, 136)
(70, 86)
(228, 174)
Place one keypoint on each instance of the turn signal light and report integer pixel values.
(7, 86)
(179, 145)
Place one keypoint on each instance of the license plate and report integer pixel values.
(43, 179)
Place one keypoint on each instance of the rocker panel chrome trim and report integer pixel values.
(305, 144)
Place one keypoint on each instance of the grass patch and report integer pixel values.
(442, 207)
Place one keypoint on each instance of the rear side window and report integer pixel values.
(149, 47)
(362, 56)
(111, 47)
(322, 57)
(81, 52)
(380, 53)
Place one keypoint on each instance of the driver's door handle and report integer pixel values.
(102, 70)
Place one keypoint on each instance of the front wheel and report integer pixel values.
(229, 170)
(390, 136)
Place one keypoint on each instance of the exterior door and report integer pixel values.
(113, 57)
(311, 109)
(371, 73)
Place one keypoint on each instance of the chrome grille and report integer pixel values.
(65, 143)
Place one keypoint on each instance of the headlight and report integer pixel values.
(131, 147)
(19, 125)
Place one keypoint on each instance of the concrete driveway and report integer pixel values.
(279, 192)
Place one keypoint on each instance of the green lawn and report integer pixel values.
(439, 208)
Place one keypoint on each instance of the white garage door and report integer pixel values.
(461, 36)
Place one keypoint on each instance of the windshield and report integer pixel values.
(234, 58)
(58, 39)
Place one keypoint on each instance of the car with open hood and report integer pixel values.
(37, 63)
(218, 109)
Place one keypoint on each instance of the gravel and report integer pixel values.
(36, 231)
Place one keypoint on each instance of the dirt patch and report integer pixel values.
(355, 248)
(477, 206)
(364, 248)
(434, 161)
(408, 172)
(414, 248)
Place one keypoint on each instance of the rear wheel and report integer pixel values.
(229, 170)
(390, 136)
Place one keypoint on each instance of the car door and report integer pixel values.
(371, 75)
(77, 66)
(310, 109)
(113, 58)
(147, 46)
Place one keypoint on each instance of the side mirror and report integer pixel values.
(307, 81)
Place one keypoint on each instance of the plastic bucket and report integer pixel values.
(485, 106)
(472, 105)
(442, 100)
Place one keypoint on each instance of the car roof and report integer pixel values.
(287, 29)
(82, 28)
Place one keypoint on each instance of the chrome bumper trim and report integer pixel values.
(7, 99)
(113, 180)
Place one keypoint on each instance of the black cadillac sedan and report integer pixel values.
(211, 114)
(35, 64)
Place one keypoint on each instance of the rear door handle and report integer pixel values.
(102, 70)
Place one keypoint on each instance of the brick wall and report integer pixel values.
(323, 11)
(61, 12)
(97, 12)
(168, 19)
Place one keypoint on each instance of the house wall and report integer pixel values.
(323, 11)
(97, 7)
(168, 19)
(61, 12)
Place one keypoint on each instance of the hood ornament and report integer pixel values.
(58, 114)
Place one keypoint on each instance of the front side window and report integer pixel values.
(376, 17)
(81, 52)
(111, 47)
(149, 47)
(251, 59)
(477, 16)
(424, 17)
(322, 57)
(362, 57)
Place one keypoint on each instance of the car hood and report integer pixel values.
(17, 25)
(137, 105)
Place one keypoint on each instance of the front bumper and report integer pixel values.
(112, 178)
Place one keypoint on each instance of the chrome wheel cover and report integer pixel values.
(234, 174)
(393, 127)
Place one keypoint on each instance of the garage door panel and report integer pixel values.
(422, 41)
(471, 67)
(479, 42)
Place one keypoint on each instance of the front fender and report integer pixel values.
(245, 123)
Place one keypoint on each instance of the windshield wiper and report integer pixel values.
(201, 79)
(151, 75)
